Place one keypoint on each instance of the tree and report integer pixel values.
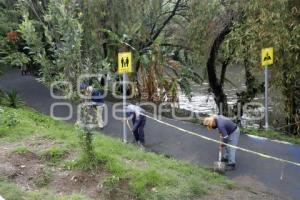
(276, 24)
(10, 41)
(53, 38)
(142, 29)
(212, 23)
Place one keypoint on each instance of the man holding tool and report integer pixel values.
(229, 134)
(138, 121)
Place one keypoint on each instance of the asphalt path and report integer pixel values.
(280, 177)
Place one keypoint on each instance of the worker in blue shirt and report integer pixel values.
(229, 133)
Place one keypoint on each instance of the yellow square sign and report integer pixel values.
(125, 62)
(267, 56)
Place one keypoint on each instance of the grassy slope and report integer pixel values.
(274, 135)
(170, 178)
(12, 192)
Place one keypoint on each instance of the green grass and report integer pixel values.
(54, 154)
(21, 150)
(148, 175)
(44, 178)
(273, 135)
(12, 192)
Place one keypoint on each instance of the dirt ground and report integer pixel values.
(247, 188)
(30, 172)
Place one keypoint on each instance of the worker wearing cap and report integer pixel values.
(138, 121)
(229, 133)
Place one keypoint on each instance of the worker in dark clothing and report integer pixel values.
(138, 121)
(229, 132)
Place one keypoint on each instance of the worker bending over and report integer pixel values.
(229, 133)
(138, 121)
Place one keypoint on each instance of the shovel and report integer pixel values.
(127, 121)
(220, 166)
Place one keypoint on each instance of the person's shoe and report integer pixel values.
(141, 145)
(230, 167)
(224, 160)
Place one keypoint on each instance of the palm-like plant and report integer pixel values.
(13, 99)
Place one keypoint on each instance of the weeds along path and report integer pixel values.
(159, 138)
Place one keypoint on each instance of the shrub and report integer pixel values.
(21, 150)
(13, 99)
(2, 97)
(87, 147)
(86, 137)
(44, 178)
(53, 154)
(11, 120)
(17, 59)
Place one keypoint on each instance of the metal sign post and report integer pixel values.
(267, 58)
(124, 67)
(124, 109)
(266, 98)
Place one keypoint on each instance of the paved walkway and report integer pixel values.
(284, 178)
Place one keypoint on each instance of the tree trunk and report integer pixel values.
(138, 85)
(215, 83)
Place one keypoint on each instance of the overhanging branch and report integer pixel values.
(160, 29)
